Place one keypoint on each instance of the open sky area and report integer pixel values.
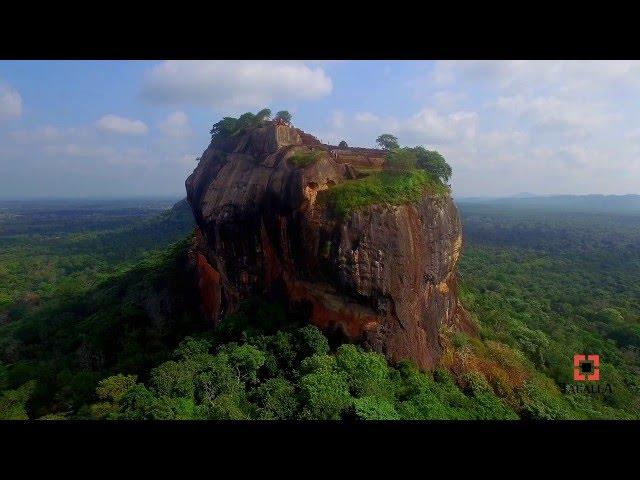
(135, 128)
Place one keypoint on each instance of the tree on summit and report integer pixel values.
(263, 115)
(283, 116)
(433, 162)
(229, 126)
(387, 141)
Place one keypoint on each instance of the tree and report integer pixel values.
(318, 362)
(229, 126)
(343, 145)
(190, 347)
(367, 373)
(283, 349)
(263, 115)
(224, 128)
(139, 403)
(111, 391)
(13, 403)
(220, 379)
(375, 408)
(247, 360)
(325, 394)
(434, 163)
(283, 116)
(115, 387)
(311, 341)
(173, 379)
(387, 141)
(277, 399)
(246, 120)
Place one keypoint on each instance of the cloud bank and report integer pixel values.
(121, 125)
(233, 84)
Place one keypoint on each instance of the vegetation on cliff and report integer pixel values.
(431, 161)
(409, 174)
(386, 187)
(230, 126)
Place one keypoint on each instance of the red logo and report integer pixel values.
(586, 368)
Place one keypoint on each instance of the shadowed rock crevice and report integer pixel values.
(384, 276)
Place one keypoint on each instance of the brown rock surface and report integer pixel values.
(384, 277)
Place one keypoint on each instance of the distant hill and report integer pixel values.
(621, 204)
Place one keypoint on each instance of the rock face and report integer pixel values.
(384, 277)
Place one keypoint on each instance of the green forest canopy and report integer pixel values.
(539, 285)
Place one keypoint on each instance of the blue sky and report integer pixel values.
(135, 128)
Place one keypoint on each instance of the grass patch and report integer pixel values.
(304, 159)
(393, 188)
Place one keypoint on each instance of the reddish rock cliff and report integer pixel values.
(384, 277)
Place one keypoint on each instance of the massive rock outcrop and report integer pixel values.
(385, 276)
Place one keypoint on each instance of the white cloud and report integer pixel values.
(557, 114)
(10, 102)
(542, 126)
(75, 150)
(121, 125)
(427, 126)
(130, 157)
(234, 84)
(446, 99)
(503, 139)
(46, 133)
(175, 125)
(366, 117)
(523, 75)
